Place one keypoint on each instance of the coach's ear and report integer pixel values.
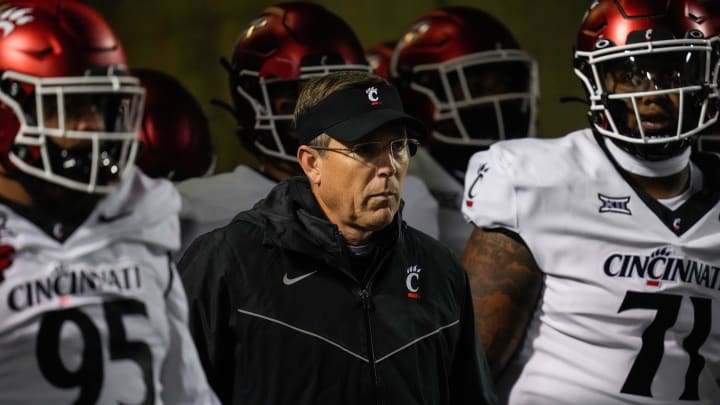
(311, 163)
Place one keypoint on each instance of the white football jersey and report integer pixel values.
(453, 230)
(102, 317)
(212, 202)
(630, 311)
(421, 209)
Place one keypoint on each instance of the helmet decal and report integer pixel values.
(13, 17)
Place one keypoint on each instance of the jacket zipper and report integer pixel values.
(365, 297)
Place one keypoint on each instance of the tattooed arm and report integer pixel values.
(505, 283)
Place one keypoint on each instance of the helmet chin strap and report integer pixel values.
(647, 168)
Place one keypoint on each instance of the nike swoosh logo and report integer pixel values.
(290, 281)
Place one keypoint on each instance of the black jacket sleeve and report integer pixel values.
(202, 269)
(470, 379)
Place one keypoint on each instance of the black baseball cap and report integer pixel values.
(350, 114)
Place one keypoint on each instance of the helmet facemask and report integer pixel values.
(273, 102)
(652, 98)
(77, 132)
(480, 98)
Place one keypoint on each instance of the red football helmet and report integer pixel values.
(287, 44)
(58, 60)
(463, 73)
(378, 56)
(175, 134)
(633, 50)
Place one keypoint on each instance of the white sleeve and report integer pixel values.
(183, 378)
(490, 199)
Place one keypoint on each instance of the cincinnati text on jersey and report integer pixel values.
(66, 282)
(662, 266)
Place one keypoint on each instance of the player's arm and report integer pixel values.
(470, 379)
(183, 378)
(505, 283)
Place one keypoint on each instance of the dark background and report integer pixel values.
(187, 38)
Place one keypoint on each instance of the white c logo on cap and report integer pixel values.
(372, 93)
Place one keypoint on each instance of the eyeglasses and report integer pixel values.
(398, 149)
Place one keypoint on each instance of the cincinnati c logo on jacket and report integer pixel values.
(412, 281)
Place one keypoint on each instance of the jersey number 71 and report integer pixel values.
(642, 373)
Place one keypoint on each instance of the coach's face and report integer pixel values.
(359, 185)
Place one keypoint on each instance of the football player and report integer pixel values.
(462, 73)
(175, 141)
(274, 55)
(594, 260)
(91, 308)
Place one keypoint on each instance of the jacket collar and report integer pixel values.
(294, 220)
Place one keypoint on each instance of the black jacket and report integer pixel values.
(281, 314)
